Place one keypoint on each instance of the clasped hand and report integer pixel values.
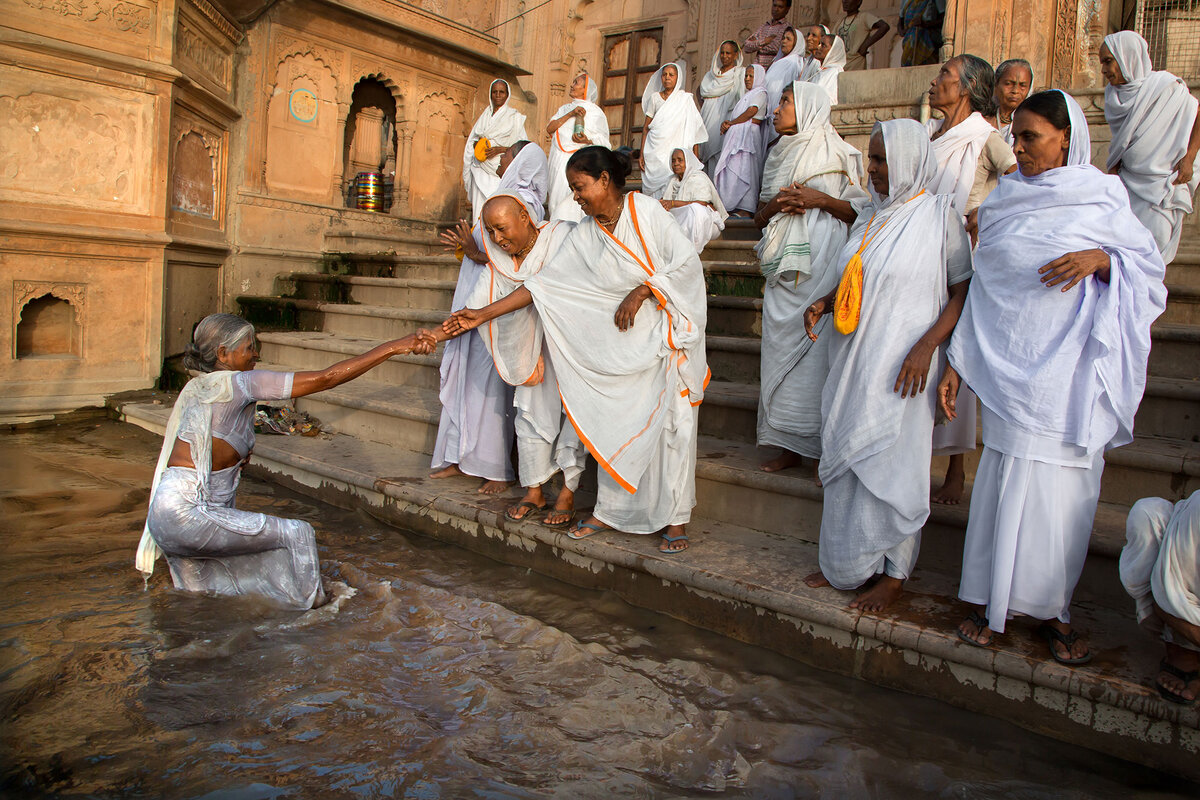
(461, 321)
(796, 199)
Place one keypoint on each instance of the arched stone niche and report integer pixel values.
(47, 318)
(193, 181)
(370, 141)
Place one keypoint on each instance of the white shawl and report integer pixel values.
(718, 92)
(745, 136)
(1065, 366)
(614, 383)
(957, 153)
(814, 150)
(676, 123)
(192, 415)
(831, 68)
(595, 123)
(1151, 116)
(527, 177)
(695, 185)
(904, 292)
(501, 127)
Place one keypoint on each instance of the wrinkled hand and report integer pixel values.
(1074, 267)
(627, 311)
(973, 225)
(456, 237)
(1184, 168)
(579, 138)
(914, 370)
(798, 199)
(813, 314)
(461, 321)
(947, 392)
(725, 126)
(668, 204)
(642, 162)
(425, 342)
(579, 111)
(494, 151)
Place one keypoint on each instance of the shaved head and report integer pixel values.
(503, 206)
(508, 223)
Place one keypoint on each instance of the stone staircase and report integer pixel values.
(334, 316)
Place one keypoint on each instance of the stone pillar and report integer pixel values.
(400, 193)
(338, 184)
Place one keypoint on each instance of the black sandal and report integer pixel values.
(1186, 677)
(529, 509)
(980, 622)
(1052, 635)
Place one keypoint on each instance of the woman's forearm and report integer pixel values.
(555, 124)
(944, 326)
(505, 305)
(841, 210)
(306, 383)
(745, 116)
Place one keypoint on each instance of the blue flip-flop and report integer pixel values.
(591, 527)
(672, 540)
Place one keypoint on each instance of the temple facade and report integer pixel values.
(162, 157)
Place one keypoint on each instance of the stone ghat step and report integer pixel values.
(748, 584)
(380, 322)
(388, 292)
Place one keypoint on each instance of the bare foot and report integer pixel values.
(564, 508)
(447, 472)
(1070, 648)
(880, 596)
(951, 492)
(1177, 679)
(816, 580)
(674, 539)
(533, 500)
(493, 487)
(784, 460)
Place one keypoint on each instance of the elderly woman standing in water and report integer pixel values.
(1054, 339)
(908, 261)
(1155, 125)
(210, 545)
(623, 306)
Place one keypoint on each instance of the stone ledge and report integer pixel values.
(732, 582)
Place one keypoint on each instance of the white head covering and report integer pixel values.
(715, 82)
(655, 84)
(836, 57)
(491, 86)
(910, 161)
(527, 177)
(700, 188)
(1080, 152)
(756, 95)
(797, 48)
(591, 91)
(1132, 55)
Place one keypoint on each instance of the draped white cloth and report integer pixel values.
(1059, 374)
(546, 442)
(527, 176)
(784, 70)
(501, 127)
(1151, 116)
(719, 91)
(1160, 563)
(833, 66)
(798, 255)
(876, 446)
(631, 395)
(562, 147)
(739, 168)
(676, 123)
(701, 223)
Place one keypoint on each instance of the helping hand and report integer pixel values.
(461, 321)
(425, 342)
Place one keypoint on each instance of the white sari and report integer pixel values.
(784, 70)
(676, 123)
(702, 223)
(719, 91)
(833, 66)
(739, 168)
(798, 257)
(1059, 374)
(631, 395)
(562, 147)
(1160, 563)
(502, 126)
(1151, 116)
(876, 446)
(546, 443)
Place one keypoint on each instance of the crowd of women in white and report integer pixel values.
(1022, 272)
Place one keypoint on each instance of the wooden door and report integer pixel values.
(629, 60)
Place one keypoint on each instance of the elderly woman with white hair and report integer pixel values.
(907, 264)
(672, 120)
(210, 545)
(1054, 340)
(1155, 125)
(577, 123)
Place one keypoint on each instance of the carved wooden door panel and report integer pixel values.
(629, 60)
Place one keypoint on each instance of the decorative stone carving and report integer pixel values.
(1063, 55)
(196, 50)
(69, 148)
(66, 335)
(123, 16)
(193, 177)
(288, 46)
(219, 20)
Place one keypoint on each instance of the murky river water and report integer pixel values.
(445, 676)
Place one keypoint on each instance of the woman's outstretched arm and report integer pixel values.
(306, 383)
(467, 319)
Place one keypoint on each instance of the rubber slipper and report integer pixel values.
(1186, 677)
(1052, 635)
(529, 509)
(672, 540)
(980, 622)
(564, 523)
(592, 529)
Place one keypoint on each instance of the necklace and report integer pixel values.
(611, 222)
(524, 251)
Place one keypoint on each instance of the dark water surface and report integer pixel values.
(445, 676)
